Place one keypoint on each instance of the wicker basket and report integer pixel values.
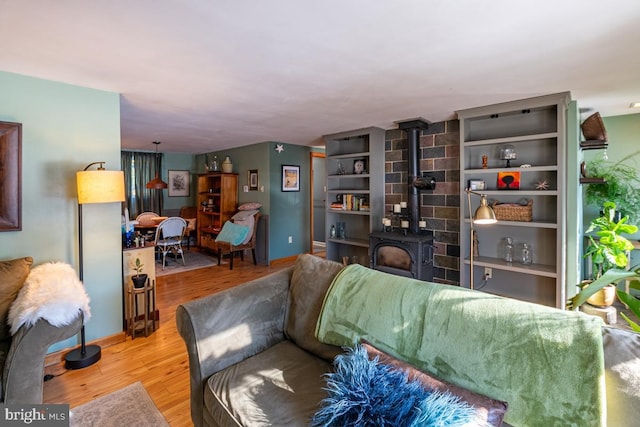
(513, 211)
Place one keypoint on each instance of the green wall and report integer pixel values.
(288, 212)
(623, 133)
(64, 128)
(181, 162)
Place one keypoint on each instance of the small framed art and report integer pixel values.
(252, 179)
(178, 183)
(508, 180)
(290, 178)
(476, 185)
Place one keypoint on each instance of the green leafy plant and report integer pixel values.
(622, 185)
(632, 302)
(608, 252)
(611, 248)
(137, 267)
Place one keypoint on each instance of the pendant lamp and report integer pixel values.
(156, 183)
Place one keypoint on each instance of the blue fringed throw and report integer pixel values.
(365, 392)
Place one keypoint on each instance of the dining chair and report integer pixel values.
(169, 235)
(145, 218)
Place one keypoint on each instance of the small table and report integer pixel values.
(138, 322)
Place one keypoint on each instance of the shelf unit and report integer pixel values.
(536, 128)
(217, 202)
(343, 150)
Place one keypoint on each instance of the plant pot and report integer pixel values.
(604, 297)
(139, 280)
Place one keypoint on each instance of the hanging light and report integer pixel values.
(156, 183)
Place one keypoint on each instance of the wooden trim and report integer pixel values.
(311, 184)
(58, 356)
(285, 260)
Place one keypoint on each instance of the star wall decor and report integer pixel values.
(279, 148)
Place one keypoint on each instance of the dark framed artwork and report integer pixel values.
(290, 178)
(252, 179)
(178, 183)
(10, 176)
(508, 180)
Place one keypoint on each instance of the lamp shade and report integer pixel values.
(100, 186)
(484, 214)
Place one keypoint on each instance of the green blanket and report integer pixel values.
(546, 363)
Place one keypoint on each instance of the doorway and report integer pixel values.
(318, 198)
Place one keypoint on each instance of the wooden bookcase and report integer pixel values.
(217, 200)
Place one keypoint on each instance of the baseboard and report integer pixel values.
(285, 260)
(58, 356)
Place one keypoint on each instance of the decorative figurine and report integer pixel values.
(542, 185)
(485, 161)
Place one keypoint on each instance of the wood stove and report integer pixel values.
(408, 255)
(409, 251)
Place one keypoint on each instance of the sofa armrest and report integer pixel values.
(225, 328)
(23, 373)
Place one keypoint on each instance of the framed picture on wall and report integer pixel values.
(10, 176)
(252, 179)
(178, 183)
(290, 178)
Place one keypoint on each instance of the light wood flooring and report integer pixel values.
(159, 361)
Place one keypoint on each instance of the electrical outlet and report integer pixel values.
(488, 273)
(290, 239)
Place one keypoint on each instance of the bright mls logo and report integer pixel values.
(34, 415)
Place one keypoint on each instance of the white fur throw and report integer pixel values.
(52, 292)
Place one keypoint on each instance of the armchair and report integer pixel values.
(249, 218)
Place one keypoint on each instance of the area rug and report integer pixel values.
(130, 406)
(192, 260)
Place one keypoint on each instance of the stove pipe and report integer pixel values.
(415, 181)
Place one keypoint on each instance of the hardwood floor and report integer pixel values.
(159, 361)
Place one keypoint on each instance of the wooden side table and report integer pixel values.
(146, 320)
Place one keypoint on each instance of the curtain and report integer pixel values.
(140, 168)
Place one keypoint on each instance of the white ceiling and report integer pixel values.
(205, 75)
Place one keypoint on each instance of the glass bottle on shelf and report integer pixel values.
(525, 255)
(332, 232)
(508, 249)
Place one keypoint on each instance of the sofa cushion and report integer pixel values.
(13, 273)
(364, 391)
(487, 411)
(260, 390)
(622, 375)
(310, 280)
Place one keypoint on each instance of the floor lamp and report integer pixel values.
(94, 186)
(483, 215)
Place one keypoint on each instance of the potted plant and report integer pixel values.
(607, 252)
(622, 185)
(138, 279)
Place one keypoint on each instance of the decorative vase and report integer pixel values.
(227, 166)
(604, 297)
(139, 280)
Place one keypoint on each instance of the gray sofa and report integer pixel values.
(254, 358)
(22, 355)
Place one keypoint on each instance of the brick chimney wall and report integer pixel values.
(440, 158)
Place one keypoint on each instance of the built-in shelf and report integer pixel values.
(536, 128)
